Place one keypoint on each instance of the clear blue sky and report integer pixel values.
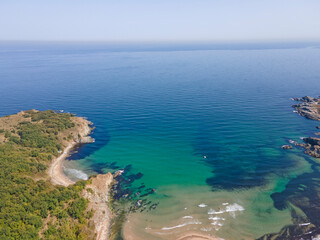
(161, 20)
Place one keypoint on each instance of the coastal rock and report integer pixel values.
(312, 146)
(86, 139)
(312, 140)
(309, 108)
(286, 147)
(312, 150)
(293, 142)
(317, 127)
(97, 192)
(293, 232)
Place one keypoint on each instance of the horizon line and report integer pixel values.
(169, 41)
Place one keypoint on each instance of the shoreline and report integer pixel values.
(55, 171)
(310, 109)
(99, 185)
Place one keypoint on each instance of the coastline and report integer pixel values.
(310, 109)
(55, 170)
(97, 191)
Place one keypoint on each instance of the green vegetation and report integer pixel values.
(30, 206)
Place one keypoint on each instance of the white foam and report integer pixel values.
(316, 237)
(187, 217)
(202, 205)
(225, 203)
(304, 224)
(212, 211)
(216, 223)
(170, 228)
(302, 138)
(216, 218)
(77, 173)
(182, 225)
(291, 141)
(295, 111)
(119, 172)
(232, 209)
(206, 229)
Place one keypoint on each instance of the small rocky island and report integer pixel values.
(309, 108)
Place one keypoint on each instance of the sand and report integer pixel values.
(56, 171)
(197, 236)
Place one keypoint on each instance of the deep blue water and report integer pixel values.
(164, 107)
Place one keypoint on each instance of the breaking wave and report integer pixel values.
(77, 173)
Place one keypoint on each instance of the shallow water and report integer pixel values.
(201, 126)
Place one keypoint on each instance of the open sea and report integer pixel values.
(203, 125)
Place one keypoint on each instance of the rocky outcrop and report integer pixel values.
(294, 232)
(286, 147)
(97, 192)
(84, 129)
(312, 141)
(309, 108)
(312, 146)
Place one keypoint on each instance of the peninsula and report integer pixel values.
(37, 200)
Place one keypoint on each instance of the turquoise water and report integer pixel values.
(200, 124)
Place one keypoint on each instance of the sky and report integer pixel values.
(162, 20)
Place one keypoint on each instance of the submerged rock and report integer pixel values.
(286, 147)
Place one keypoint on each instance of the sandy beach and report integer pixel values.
(55, 170)
(80, 136)
(99, 194)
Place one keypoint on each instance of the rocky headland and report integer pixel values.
(33, 146)
(309, 108)
(97, 192)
